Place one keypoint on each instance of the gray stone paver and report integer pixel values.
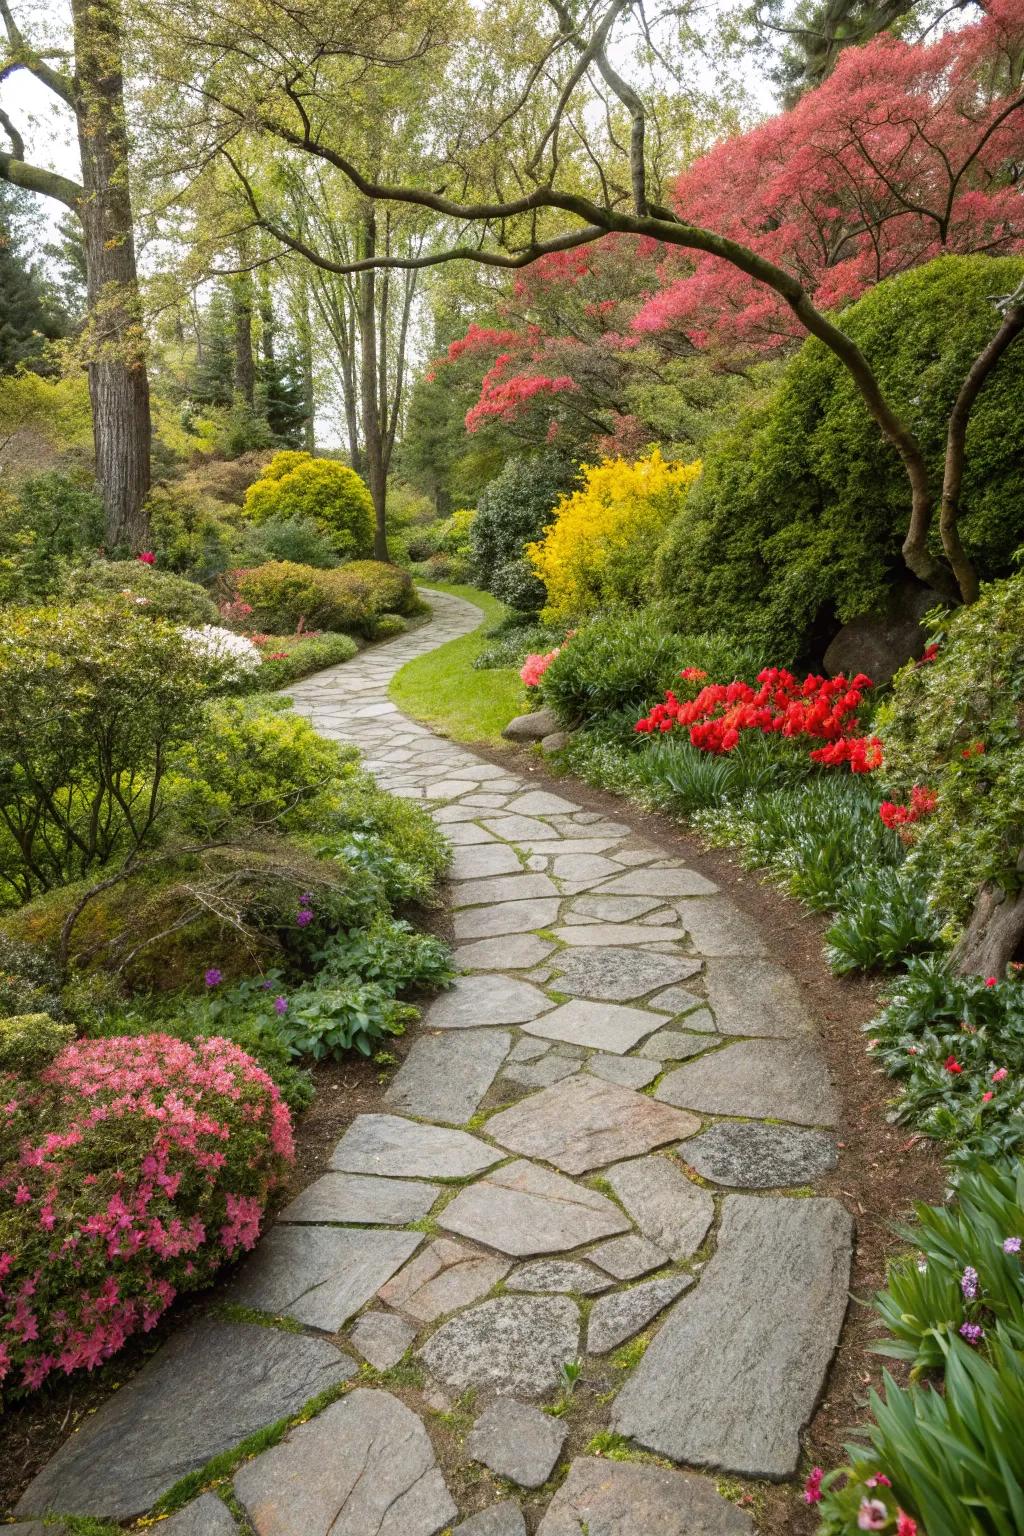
(591, 910)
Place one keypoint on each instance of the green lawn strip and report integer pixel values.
(443, 690)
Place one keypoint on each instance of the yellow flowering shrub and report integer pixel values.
(599, 551)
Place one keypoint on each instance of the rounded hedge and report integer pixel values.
(351, 597)
(155, 593)
(131, 1169)
(513, 510)
(797, 523)
(324, 492)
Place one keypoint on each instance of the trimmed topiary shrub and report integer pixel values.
(388, 588)
(131, 1169)
(283, 594)
(513, 509)
(155, 593)
(322, 491)
(797, 522)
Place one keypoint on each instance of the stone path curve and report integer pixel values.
(609, 1129)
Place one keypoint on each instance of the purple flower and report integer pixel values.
(280, 1005)
(266, 985)
(972, 1332)
(305, 899)
(969, 1283)
(303, 917)
(1012, 1245)
(213, 977)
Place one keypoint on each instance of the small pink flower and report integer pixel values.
(999, 1074)
(812, 1487)
(904, 1525)
(147, 557)
(872, 1515)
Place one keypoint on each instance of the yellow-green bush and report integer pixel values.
(352, 597)
(329, 494)
(29, 1040)
(599, 550)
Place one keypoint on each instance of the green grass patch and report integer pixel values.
(443, 690)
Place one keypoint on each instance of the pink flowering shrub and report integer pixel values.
(131, 1169)
(535, 665)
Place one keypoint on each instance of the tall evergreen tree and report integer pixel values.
(28, 318)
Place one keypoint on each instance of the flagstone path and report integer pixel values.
(610, 1127)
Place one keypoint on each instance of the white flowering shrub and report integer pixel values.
(233, 656)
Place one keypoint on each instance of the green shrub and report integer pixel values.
(28, 1041)
(189, 533)
(388, 588)
(286, 658)
(282, 595)
(152, 592)
(388, 626)
(321, 490)
(883, 919)
(51, 519)
(954, 725)
(512, 510)
(297, 539)
(798, 520)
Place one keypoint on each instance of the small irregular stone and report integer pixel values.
(558, 1276)
(674, 1045)
(445, 1076)
(601, 935)
(583, 868)
(382, 1339)
(320, 1276)
(628, 1498)
(315, 1482)
(616, 974)
(669, 1210)
(479, 861)
(585, 1123)
(517, 1441)
(486, 1000)
(628, 1257)
(528, 1049)
(521, 887)
(393, 1147)
(748, 1155)
(522, 1210)
(735, 1372)
(210, 1386)
(513, 1345)
(660, 882)
(541, 1074)
(532, 727)
(504, 1519)
(756, 997)
(444, 1277)
(615, 909)
(361, 1198)
(616, 1318)
(537, 802)
(601, 1026)
(764, 1079)
(626, 1071)
(205, 1516)
(514, 952)
(504, 917)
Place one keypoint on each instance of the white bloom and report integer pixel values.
(237, 655)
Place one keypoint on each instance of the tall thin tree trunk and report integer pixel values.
(116, 347)
(373, 438)
(245, 368)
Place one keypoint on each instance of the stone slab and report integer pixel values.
(551, 1068)
(615, 909)
(585, 1123)
(617, 974)
(207, 1388)
(517, 1441)
(748, 1155)
(315, 1482)
(445, 1076)
(444, 1277)
(717, 927)
(514, 952)
(488, 999)
(583, 868)
(382, 1339)
(659, 882)
(521, 887)
(524, 1210)
(756, 997)
(514, 1345)
(321, 1276)
(558, 1277)
(628, 1257)
(528, 1049)
(360, 1198)
(669, 1210)
(393, 1147)
(504, 1519)
(675, 1044)
(601, 935)
(205, 1516)
(626, 1071)
(628, 1498)
(537, 802)
(601, 1026)
(523, 830)
(466, 834)
(616, 1318)
(735, 1372)
(776, 1079)
(483, 859)
(505, 917)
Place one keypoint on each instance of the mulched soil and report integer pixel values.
(883, 1171)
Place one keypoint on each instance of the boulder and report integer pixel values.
(555, 742)
(532, 727)
(878, 644)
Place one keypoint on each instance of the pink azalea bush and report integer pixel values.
(131, 1169)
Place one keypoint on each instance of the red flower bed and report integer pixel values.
(130, 1170)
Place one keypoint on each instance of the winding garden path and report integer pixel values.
(607, 1132)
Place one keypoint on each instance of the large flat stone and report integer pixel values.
(617, 974)
(676, 1044)
(522, 1210)
(627, 1071)
(205, 1516)
(363, 1467)
(616, 1318)
(505, 917)
(360, 1198)
(756, 997)
(484, 1000)
(445, 1076)
(537, 802)
(748, 1155)
(659, 882)
(735, 1372)
(766, 1079)
(628, 1257)
(514, 1345)
(717, 927)
(207, 1388)
(521, 887)
(516, 1441)
(552, 1277)
(583, 868)
(602, 1026)
(601, 935)
(523, 830)
(444, 1277)
(481, 860)
(628, 1498)
(321, 1276)
(514, 952)
(393, 1147)
(615, 909)
(504, 1519)
(585, 1123)
(669, 1210)
(382, 1339)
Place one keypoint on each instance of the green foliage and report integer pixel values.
(883, 918)
(296, 539)
(512, 640)
(322, 490)
(286, 658)
(28, 1041)
(352, 597)
(154, 593)
(511, 511)
(190, 534)
(954, 725)
(800, 514)
(49, 520)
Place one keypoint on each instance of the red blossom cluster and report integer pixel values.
(824, 709)
(503, 396)
(922, 802)
(132, 1168)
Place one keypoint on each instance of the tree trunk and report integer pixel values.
(373, 437)
(245, 367)
(114, 338)
(995, 931)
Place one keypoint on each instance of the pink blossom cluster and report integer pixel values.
(130, 1170)
(534, 667)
